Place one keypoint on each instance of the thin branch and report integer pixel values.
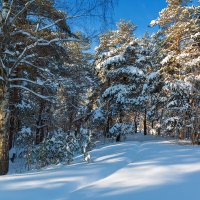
(31, 91)
(2, 64)
(39, 68)
(21, 56)
(50, 25)
(22, 11)
(4, 71)
(9, 12)
(1, 78)
(58, 40)
(26, 80)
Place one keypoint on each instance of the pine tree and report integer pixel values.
(109, 56)
(26, 47)
(180, 29)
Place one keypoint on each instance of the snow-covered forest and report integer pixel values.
(61, 98)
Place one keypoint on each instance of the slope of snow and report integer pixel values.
(138, 170)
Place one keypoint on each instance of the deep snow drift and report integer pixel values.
(134, 170)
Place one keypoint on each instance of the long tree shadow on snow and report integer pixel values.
(159, 171)
(107, 160)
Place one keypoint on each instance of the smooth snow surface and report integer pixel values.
(134, 170)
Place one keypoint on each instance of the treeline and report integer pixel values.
(57, 98)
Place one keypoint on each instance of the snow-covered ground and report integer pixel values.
(147, 169)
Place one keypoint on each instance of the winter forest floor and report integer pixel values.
(144, 168)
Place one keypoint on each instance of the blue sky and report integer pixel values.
(140, 12)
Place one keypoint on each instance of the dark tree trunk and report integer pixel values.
(152, 125)
(145, 122)
(107, 126)
(4, 143)
(135, 123)
(40, 124)
(14, 126)
(108, 122)
(119, 136)
(15, 121)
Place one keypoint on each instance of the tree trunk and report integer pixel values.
(4, 144)
(14, 126)
(135, 122)
(108, 122)
(145, 122)
(40, 123)
(107, 128)
(119, 136)
(15, 120)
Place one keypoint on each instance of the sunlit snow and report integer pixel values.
(145, 168)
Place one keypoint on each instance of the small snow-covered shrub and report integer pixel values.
(172, 125)
(58, 147)
(61, 147)
(121, 129)
(98, 116)
(86, 143)
(25, 144)
(153, 131)
(24, 137)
